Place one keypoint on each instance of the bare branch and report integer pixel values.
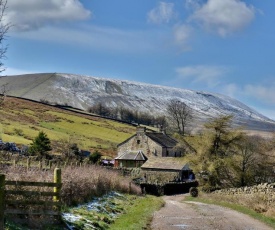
(4, 27)
(180, 114)
(3, 93)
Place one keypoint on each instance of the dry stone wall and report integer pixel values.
(266, 189)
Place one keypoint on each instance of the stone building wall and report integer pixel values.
(142, 142)
(267, 190)
(147, 146)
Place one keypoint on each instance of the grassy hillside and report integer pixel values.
(21, 120)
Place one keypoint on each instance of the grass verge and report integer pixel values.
(139, 214)
(258, 216)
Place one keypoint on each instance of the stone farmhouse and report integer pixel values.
(156, 153)
(156, 144)
(145, 145)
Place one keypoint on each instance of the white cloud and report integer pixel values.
(182, 34)
(230, 90)
(192, 4)
(99, 38)
(264, 93)
(163, 13)
(224, 16)
(202, 74)
(27, 15)
(14, 71)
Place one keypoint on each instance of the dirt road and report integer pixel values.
(180, 214)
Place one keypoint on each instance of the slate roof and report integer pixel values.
(133, 155)
(162, 139)
(166, 163)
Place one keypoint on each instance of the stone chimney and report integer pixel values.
(162, 130)
(141, 130)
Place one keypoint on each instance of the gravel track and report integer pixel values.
(180, 214)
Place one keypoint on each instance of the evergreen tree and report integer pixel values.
(41, 145)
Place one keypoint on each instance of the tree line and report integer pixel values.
(128, 115)
(225, 156)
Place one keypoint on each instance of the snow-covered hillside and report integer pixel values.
(84, 91)
(147, 97)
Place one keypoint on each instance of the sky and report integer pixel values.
(218, 46)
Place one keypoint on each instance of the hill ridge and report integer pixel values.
(82, 91)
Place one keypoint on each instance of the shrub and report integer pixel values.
(79, 184)
(95, 157)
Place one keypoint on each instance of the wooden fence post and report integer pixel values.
(57, 179)
(2, 199)
(130, 187)
(28, 164)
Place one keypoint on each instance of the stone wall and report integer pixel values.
(267, 190)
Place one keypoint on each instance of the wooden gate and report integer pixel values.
(15, 196)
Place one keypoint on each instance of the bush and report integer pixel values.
(193, 192)
(95, 157)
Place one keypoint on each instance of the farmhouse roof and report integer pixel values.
(158, 137)
(166, 163)
(133, 155)
(162, 139)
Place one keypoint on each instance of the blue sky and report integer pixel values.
(221, 46)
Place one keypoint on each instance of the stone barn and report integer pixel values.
(167, 169)
(132, 159)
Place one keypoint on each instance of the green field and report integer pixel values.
(21, 120)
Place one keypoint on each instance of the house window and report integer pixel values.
(138, 142)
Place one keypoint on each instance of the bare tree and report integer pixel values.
(180, 114)
(3, 93)
(4, 27)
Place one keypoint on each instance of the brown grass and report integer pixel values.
(79, 184)
(256, 202)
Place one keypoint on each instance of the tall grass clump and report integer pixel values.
(79, 184)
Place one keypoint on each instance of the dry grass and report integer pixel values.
(79, 184)
(256, 202)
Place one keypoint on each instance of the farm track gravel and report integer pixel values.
(180, 214)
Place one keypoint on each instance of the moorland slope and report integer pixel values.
(84, 91)
(21, 120)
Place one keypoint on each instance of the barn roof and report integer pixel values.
(162, 139)
(133, 155)
(166, 163)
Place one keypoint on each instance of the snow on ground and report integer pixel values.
(144, 97)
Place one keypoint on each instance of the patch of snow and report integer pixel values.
(96, 205)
